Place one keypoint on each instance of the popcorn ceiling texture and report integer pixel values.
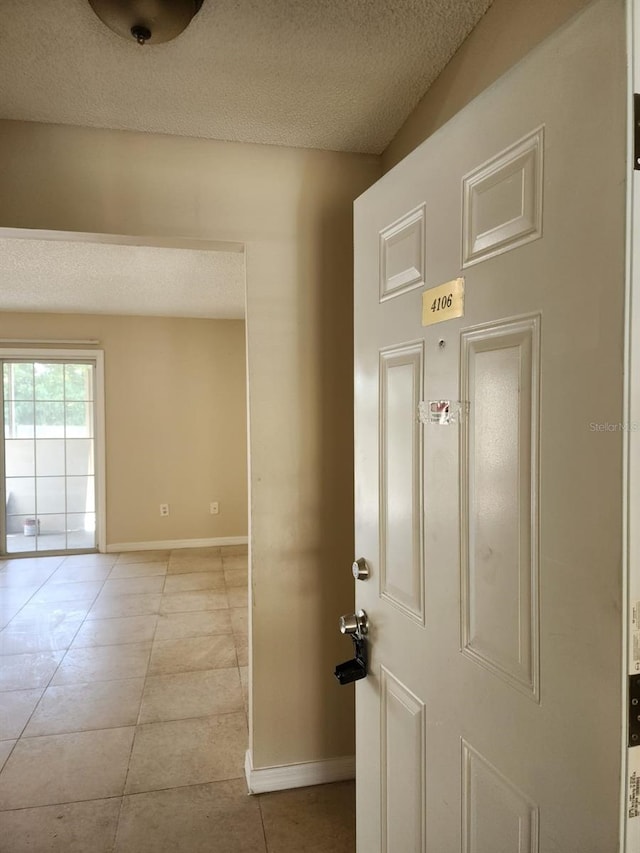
(90, 278)
(333, 74)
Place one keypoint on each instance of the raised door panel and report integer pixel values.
(401, 449)
(496, 816)
(402, 768)
(499, 523)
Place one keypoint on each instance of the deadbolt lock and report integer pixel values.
(360, 569)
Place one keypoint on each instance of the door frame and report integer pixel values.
(630, 763)
(96, 356)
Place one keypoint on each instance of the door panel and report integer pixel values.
(499, 377)
(502, 201)
(514, 661)
(496, 815)
(402, 253)
(403, 766)
(401, 570)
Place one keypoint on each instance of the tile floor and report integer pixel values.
(123, 722)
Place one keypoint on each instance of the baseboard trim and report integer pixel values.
(168, 544)
(287, 776)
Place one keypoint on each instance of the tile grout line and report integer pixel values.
(264, 830)
(48, 683)
(137, 723)
(36, 591)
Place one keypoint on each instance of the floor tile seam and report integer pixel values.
(60, 662)
(63, 803)
(211, 610)
(139, 726)
(164, 583)
(120, 562)
(239, 710)
(90, 599)
(109, 645)
(37, 590)
(197, 637)
(45, 687)
(82, 684)
(190, 672)
(114, 845)
(6, 761)
(79, 732)
(264, 829)
(91, 799)
(34, 556)
(102, 728)
(195, 591)
(80, 568)
(22, 731)
(63, 734)
(90, 618)
(93, 681)
(108, 595)
(181, 788)
(144, 687)
(105, 645)
(133, 577)
(19, 690)
(43, 606)
(66, 652)
(190, 785)
(186, 719)
(200, 589)
(17, 586)
(33, 652)
(172, 591)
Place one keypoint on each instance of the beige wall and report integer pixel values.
(292, 209)
(176, 432)
(508, 31)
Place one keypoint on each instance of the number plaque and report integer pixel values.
(443, 302)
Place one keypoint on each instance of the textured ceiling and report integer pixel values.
(90, 278)
(333, 74)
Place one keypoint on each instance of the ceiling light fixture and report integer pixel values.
(152, 21)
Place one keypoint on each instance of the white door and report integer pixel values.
(490, 721)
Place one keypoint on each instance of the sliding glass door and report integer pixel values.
(49, 455)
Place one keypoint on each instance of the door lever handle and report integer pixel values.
(356, 625)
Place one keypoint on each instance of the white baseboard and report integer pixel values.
(169, 544)
(281, 778)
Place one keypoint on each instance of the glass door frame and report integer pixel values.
(96, 357)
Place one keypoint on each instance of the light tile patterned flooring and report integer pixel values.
(123, 727)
